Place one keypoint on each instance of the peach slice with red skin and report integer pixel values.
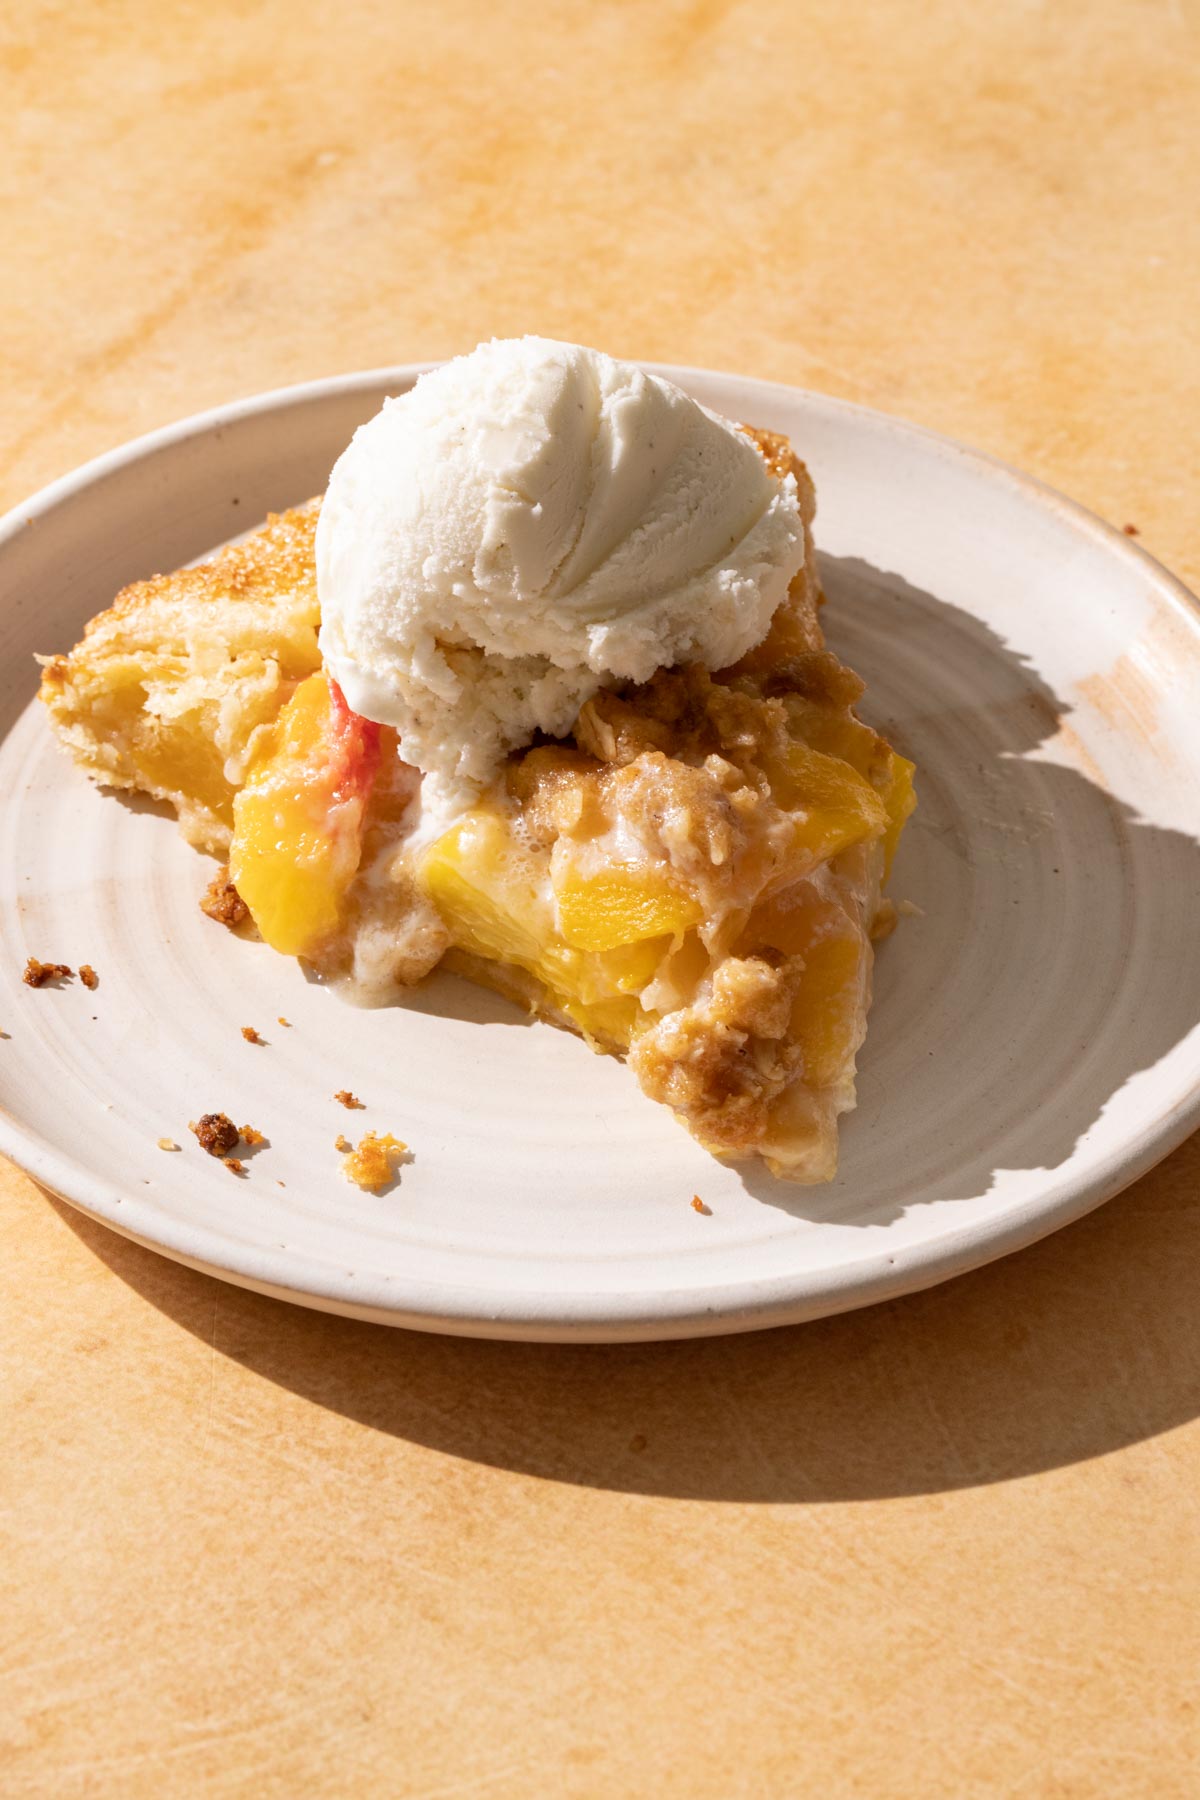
(297, 835)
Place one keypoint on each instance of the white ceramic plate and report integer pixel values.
(1034, 1043)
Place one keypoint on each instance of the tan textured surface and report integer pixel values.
(946, 1546)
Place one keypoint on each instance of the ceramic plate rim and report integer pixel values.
(463, 1309)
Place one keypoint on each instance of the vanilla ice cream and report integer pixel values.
(528, 524)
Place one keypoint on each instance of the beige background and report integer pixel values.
(946, 1546)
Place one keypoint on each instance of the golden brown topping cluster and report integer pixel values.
(777, 452)
(216, 1133)
(37, 974)
(374, 1162)
(222, 901)
(724, 1059)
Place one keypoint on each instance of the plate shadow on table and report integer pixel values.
(1069, 1350)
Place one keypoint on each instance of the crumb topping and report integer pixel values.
(37, 974)
(221, 900)
(722, 1060)
(342, 1142)
(252, 1137)
(374, 1162)
(776, 451)
(88, 976)
(350, 1101)
(234, 1166)
(216, 1133)
(699, 1206)
(166, 1143)
(251, 1036)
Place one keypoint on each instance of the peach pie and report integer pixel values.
(689, 875)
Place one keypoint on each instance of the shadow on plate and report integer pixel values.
(1048, 908)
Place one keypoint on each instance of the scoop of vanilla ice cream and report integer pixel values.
(527, 524)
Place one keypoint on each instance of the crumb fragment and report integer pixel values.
(251, 1136)
(1131, 531)
(251, 1036)
(699, 1206)
(233, 1165)
(342, 1142)
(166, 1143)
(349, 1100)
(88, 976)
(282, 1021)
(37, 974)
(216, 1133)
(222, 901)
(373, 1164)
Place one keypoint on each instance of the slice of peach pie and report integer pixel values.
(690, 877)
